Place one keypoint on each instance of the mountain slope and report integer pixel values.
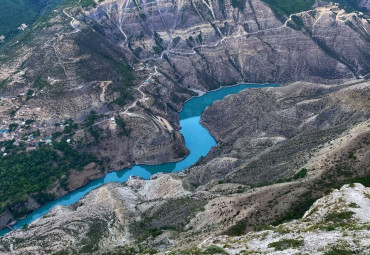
(18, 12)
(101, 74)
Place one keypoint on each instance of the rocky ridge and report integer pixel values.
(337, 223)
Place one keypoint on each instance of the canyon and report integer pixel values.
(105, 81)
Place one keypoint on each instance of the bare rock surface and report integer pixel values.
(335, 223)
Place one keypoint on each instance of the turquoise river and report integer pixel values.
(197, 140)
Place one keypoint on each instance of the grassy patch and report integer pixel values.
(364, 180)
(122, 126)
(13, 127)
(17, 12)
(286, 244)
(97, 230)
(339, 216)
(87, 3)
(336, 251)
(238, 229)
(351, 155)
(289, 7)
(213, 249)
(353, 205)
(40, 83)
(300, 174)
(240, 4)
(297, 210)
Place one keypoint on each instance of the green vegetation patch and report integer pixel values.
(300, 174)
(286, 244)
(128, 81)
(122, 126)
(288, 7)
(351, 155)
(40, 83)
(97, 230)
(339, 216)
(238, 229)
(13, 127)
(24, 174)
(349, 5)
(240, 4)
(213, 249)
(69, 127)
(91, 118)
(364, 180)
(297, 210)
(14, 13)
(336, 251)
(87, 3)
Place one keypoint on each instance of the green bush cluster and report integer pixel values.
(25, 174)
(17, 12)
(286, 244)
(122, 126)
(290, 6)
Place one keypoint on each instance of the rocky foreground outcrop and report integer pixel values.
(103, 223)
(335, 224)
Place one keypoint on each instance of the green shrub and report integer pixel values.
(238, 229)
(351, 155)
(301, 174)
(336, 251)
(70, 126)
(87, 3)
(286, 244)
(290, 6)
(40, 83)
(122, 126)
(297, 210)
(149, 251)
(55, 135)
(339, 216)
(353, 205)
(95, 132)
(13, 127)
(28, 122)
(240, 4)
(213, 249)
